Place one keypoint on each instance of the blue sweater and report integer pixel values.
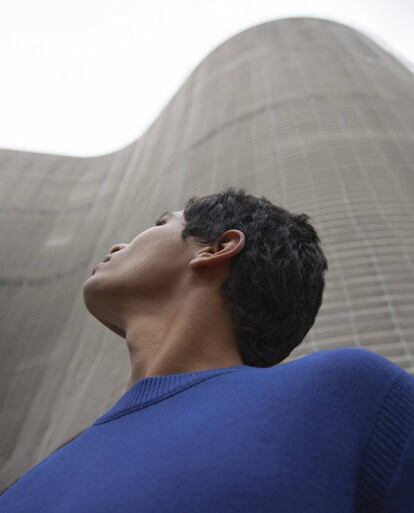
(329, 432)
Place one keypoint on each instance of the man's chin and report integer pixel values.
(91, 292)
(93, 299)
(115, 329)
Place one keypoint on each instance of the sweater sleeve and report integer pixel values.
(400, 498)
(387, 481)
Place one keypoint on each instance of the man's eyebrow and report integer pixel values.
(168, 214)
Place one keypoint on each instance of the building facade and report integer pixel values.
(308, 112)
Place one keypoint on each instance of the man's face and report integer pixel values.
(142, 274)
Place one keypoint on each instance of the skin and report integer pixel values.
(161, 294)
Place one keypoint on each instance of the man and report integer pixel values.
(209, 301)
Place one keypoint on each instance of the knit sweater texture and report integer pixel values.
(332, 431)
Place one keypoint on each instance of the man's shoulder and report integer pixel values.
(353, 359)
(348, 367)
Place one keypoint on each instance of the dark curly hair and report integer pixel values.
(277, 280)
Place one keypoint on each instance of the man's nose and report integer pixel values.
(114, 248)
(117, 247)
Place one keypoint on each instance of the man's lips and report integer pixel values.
(106, 259)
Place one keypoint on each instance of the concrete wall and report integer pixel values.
(307, 112)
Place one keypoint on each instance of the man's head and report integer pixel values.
(262, 261)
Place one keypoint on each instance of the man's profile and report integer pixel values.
(210, 300)
(162, 292)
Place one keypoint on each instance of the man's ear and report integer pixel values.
(231, 243)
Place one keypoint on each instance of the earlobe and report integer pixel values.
(199, 260)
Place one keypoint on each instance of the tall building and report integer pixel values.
(308, 112)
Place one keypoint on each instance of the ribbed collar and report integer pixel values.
(154, 388)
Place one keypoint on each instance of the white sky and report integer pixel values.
(88, 77)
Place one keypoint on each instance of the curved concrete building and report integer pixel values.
(308, 112)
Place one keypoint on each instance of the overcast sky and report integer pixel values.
(88, 77)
